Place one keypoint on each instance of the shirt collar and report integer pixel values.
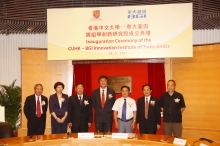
(80, 95)
(103, 89)
(37, 96)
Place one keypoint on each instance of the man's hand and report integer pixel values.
(158, 127)
(133, 124)
(89, 124)
(116, 125)
(69, 125)
(138, 126)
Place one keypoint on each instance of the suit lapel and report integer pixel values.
(99, 97)
(106, 100)
(57, 100)
(83, 100)
(143, 103)
(77, 100)
(34, 101)
(150, 106)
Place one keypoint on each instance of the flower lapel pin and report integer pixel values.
(177, 100)
(110, 96)
(62, 99)
(86, 102)
(43, 103)
(130, 104)
(152, 103)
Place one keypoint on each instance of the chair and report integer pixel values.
(5, 130)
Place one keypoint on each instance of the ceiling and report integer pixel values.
(30, 16)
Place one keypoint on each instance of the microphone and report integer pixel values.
(201, 139)
(162, 140)
(209, 140)
(68, 136)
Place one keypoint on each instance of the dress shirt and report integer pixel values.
(105, 92)
(130, 107)
(171, 109)
(148, 99)
(40, 103)
(79, 97)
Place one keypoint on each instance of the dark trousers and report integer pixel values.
(147, 129)
(103, 127)
(81, 128)
(36, 126)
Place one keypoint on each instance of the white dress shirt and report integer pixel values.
(105, 93)
(130, 107)
(148, 99)
(40, 103)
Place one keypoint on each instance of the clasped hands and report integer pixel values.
(60, 120)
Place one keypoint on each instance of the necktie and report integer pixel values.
(146, 108)
(124, 111)
(80, 100)
(103, 98)
(38, 108)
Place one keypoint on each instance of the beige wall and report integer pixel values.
(37, 69)
(198, 79)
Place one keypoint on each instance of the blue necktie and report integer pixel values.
(124, 111)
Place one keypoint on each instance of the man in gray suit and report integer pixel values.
(103, 100)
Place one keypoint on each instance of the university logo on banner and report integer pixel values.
(96, 15)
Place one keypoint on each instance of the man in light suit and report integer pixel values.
(148, 112)
(103, 100)
(35, 109)
(79, 111)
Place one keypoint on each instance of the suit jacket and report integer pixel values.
(103, 114)
(55, 106)
(153, 113)
(79, 114)
(30, 113)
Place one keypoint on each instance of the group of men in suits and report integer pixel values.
(146, 113)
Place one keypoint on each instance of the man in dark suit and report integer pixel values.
(148, 112)
(79, 111)
(103, 100)
(35, 109)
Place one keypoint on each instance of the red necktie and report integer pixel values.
(146, 108)
(38, 108)
(103, 99)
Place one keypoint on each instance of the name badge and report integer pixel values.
(85, 135)
(179, 141)
(120, 135)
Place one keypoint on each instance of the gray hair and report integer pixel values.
(38, 85)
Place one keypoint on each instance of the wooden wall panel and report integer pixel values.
(37, 69)
(198, 79)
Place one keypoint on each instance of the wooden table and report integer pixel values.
(65, 140)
